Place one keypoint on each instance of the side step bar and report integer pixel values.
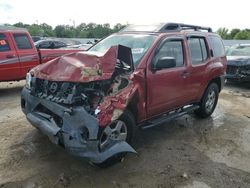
(168, 117)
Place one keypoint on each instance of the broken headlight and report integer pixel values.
(28, 80)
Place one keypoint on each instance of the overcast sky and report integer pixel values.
(213, 13)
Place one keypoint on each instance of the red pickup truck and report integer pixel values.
(18, 54)
(139, 77)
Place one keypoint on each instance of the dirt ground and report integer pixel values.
(188, 152)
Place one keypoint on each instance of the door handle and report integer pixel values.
(10, 56)
(185, 74)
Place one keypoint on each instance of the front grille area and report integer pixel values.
(88, 95)
(231, 69)
(60, 92)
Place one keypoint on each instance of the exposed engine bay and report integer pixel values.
(238, 69)
(89, 95)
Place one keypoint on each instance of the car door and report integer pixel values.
(9, 61)
(165, 87)
(27, 52)
(197, 70)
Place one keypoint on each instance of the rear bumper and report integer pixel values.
(71, 127)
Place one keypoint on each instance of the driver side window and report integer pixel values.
(172, 49)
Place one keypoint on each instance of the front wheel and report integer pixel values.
(208, 101)
(122, 129)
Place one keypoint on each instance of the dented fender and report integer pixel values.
(114, 105)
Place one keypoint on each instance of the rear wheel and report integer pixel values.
(208, 101)
(122, 129)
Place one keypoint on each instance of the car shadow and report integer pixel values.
(240, 85)
(10, 88)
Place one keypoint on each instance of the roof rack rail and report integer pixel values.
(168, 27)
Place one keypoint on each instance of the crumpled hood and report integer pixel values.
(238, 60)
(80, 66)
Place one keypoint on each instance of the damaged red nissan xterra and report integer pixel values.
(92, 102)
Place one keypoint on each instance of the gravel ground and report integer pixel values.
(188, 152)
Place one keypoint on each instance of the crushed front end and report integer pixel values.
(238, 69)
(72, 114)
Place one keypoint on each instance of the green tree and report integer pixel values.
(83, 34)
(47, 29)
(21, 25)
(233, 33)
(101, 31)
(242, 35)
(6, 24)
(59, 31)
(35, 30)
(90, 35)
(91, 26)
(223, 32)
(80, 30)
(118, 27)
(65, 31)
(81, 27)
(83, 30)
(69, 32)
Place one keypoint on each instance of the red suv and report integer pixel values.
(92, 102)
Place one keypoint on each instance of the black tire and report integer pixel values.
(128, 118)
(208, 101)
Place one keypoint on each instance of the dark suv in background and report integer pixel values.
(50, 44)
(238, 66)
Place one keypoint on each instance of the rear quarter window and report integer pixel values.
(198, 50)
(217, 46)
(4, 45)
(22, 41)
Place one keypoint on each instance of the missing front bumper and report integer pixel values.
(73, 128)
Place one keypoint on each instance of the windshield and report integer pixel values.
(138, 43)
(239, 51)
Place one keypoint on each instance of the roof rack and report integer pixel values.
(164, 27)
(179, 27)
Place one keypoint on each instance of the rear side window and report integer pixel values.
(22, 41)
(198, 50)
(4, 45)
(217, 46)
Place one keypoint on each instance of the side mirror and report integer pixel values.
(164, 63)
